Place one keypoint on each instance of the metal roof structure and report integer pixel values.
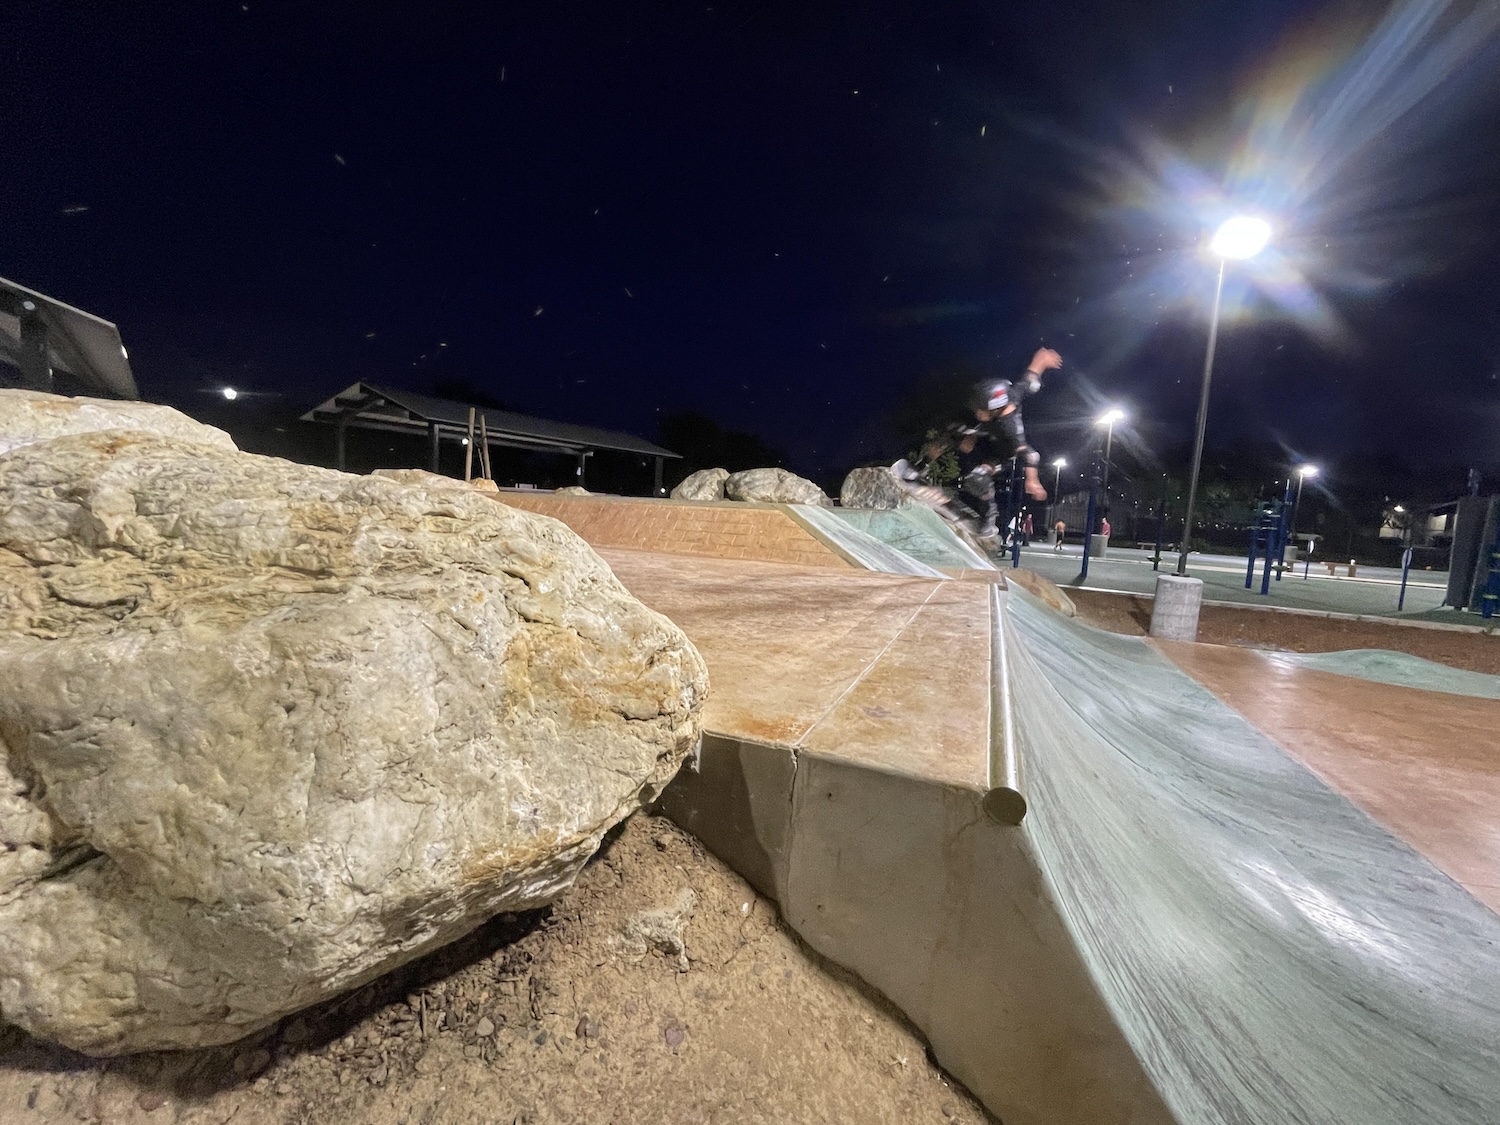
(40, 336)
(370, 406)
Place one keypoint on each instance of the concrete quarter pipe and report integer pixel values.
(1188, 926)
(1270, 951)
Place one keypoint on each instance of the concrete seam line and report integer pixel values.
(865, 671)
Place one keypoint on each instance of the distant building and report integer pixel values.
(46, 345)
(367, 406)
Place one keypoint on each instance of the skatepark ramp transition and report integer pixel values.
(1187, 925)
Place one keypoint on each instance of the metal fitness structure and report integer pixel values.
(44, 338)
(368, 406)
(1269, 538)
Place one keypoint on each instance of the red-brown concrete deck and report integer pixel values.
(762, 532)
(891, 671)
(1425, 764)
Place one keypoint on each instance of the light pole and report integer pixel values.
(1109, 418)
(1303, 472)
(1057, 467)
(1239, 238)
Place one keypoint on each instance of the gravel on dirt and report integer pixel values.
(661, 988)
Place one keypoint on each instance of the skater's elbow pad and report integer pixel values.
(1010, 426)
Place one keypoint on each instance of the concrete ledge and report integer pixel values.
(911, 885)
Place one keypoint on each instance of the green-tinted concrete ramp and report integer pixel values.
(1188, 925)
(919, 532)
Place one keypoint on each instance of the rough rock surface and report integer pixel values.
(774, 486)
(870, 488)
(434, 480)
(705, 484)
(268, 731)
(421, 477)
(32, 416)
(574, 490)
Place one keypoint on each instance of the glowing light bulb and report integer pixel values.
(1243, 236)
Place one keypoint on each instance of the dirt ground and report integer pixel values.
(661, 988)
(1297, 632)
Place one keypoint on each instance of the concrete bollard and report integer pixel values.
(1174, 615)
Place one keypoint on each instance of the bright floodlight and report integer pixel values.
(1110, 417)
(231, 394)
(1060, 463)
(1241, 237)
(1307, 470)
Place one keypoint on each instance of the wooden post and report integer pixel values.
(469, 450)
(434, 464)
(484, 438)
(656, 488)
(338, 443)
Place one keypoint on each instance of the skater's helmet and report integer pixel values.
(992, 395)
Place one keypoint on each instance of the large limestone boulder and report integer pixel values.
(705, 484)
(267, 731)
(31, 416)
(870, 488)
(774, 486)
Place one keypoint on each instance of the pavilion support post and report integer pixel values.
(469, 450)
(36, 369)
(340, 428)
(656, 484)
(581, 458)
(433, 448)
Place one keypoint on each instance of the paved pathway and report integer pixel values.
(1373, 591)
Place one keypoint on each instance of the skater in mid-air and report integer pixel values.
(983, 443)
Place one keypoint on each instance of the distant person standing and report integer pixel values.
(1061, 528)
(1027, 529)
(1104, 526)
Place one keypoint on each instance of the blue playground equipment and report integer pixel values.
(1268, 539)
(1489, 601)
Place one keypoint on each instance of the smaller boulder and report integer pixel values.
(870, 488)
(574, 490)
(705, 484)
(774, 486)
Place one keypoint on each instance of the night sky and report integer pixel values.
(798, 219)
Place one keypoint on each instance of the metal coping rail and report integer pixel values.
(1005, 802)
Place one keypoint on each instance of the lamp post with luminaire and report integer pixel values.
(1057, 467)
(1238, 238)
(1108, 419)
(1303, 472)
